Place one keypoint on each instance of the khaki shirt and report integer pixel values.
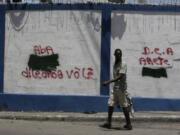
(120, 84)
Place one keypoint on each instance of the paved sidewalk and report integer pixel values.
(160, 116)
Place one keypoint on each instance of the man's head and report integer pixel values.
(118, 55)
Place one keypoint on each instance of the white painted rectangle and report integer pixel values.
(74, 35)
(152, 35)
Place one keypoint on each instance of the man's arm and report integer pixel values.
(113, 80)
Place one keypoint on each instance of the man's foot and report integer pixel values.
(106, 125)
(128, 127)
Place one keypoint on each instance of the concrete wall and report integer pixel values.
(55, 57)
(151, 48)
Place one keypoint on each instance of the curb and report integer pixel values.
(89, 118)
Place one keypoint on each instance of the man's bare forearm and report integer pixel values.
(113, 80)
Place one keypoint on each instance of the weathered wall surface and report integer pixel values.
(55, 57)
(151, 49)
(52, 52)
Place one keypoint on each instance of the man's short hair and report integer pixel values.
(118, 51)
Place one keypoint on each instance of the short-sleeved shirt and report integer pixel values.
(120, 84)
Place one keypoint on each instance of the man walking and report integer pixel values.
(118, 96)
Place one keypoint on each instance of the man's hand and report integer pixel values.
(106, 83)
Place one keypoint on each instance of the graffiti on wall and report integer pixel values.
(159, 60)
(43, 56)
(43, 65)
(74, 73)
(155, 57)
(43, 59)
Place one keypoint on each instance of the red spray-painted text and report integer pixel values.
(76, 73)
(146, 59)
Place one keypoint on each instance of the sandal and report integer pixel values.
(128, 127)
(106, 125)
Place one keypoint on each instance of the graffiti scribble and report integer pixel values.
(43, 63)
(156, 73)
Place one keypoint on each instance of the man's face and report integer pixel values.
(118, 54)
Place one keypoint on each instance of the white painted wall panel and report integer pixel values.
(74, 35)
(158, 31)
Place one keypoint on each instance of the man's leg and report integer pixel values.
(127, 116)
(110, 112)
(111, 102)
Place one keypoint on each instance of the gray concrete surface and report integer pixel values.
(160, 116)
(22, 127)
